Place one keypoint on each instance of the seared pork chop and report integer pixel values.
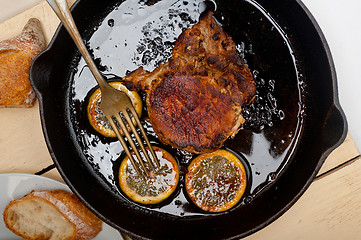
(194, 101)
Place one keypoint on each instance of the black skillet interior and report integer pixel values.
(295, 122)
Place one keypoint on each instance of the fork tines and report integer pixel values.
(124, 119)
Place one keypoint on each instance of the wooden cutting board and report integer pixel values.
(330, 208)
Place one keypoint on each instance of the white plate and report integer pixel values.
(16, 185)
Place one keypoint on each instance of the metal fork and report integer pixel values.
(115, 104)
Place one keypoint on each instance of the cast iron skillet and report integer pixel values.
(294, 124)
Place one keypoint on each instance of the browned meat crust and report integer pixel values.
(195, 100)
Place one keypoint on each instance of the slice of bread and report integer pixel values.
(16, 56)
(55, 215)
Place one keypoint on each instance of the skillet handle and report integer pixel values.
(335, 129)
(40, 73)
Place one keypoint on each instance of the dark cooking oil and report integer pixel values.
(143, 33)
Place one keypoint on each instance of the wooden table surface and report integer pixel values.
(330, 208)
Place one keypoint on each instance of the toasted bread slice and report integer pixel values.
(16, 56)
(54, 215)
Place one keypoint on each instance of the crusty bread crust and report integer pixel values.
(16, 56)
(80, 221)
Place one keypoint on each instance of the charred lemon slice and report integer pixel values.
(216, 181)
(157, 186)
(96, 116)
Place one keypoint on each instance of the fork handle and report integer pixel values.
(62, 10)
